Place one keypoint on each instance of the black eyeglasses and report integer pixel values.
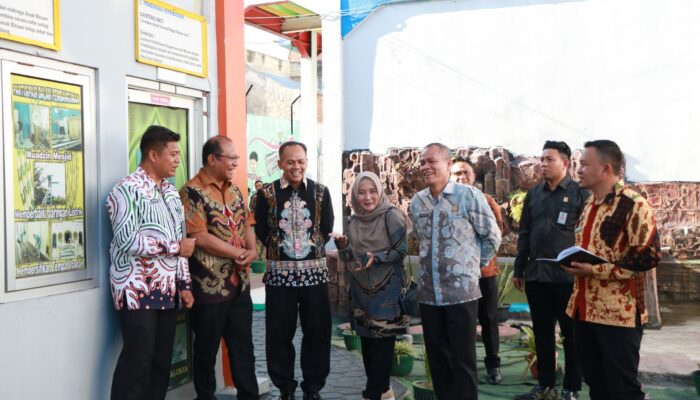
(234, 158)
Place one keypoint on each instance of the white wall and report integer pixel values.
(65, 346)
(517, 72)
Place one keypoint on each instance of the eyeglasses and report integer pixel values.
(234, 158)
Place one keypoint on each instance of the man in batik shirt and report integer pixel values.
(149, 267)
(607, 303)
(458, 236)
(293, 217)
(216, 217)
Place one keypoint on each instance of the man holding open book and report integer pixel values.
(607, 304)
(550, 214)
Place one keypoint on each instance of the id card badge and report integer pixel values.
(562, 218)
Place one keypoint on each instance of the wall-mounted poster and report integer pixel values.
(47, 154)
(170, 37)
(35, 22)
(49, 164)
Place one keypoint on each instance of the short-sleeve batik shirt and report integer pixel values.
(219, 210)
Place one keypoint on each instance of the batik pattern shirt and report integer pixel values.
(294, 226)
(621, 230)
(218, 209)
(458, 234)
(146, 270)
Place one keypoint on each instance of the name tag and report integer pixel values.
(562, 218)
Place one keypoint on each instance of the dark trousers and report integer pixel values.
(143, 368)
(609, 358)
(548, 303)
(233, 321)
(377, 355)
(282, 304)
(488, 319)
(450, 341)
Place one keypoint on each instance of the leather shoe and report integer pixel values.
(493, 376)
(287, 396)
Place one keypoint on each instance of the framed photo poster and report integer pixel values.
(49, 160)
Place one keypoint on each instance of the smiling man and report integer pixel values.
(458, 235)
(149, 268)
(294, 216)
(216, 217)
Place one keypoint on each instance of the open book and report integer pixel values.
(574, 253)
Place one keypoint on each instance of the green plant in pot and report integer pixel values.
(404, 354)
(423, 390)
(351, 339)
(505, 287)
(258, 266)
(696, 379)
(530, 349)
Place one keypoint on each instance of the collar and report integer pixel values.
(285, 183)
(449, 189)
(206, 179)
(616, 191)
(564, 183)
(150, 183)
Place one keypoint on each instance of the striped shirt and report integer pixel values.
(146, 270)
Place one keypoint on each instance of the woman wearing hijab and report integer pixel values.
(374, 249)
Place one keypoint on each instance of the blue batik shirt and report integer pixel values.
(458, 234)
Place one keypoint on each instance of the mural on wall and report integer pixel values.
(265, 135)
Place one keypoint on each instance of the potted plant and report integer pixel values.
(404, 354)
(530, 349)
(423, 390)
(696, 379)
(352, 341)
(258, 266)
(505, 286)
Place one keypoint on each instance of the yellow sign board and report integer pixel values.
(35, 22)
(170, 37)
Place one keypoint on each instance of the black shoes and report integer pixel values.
(567, 394)
(493, 376)
(312, 396)
(287, 396)
(539, 393)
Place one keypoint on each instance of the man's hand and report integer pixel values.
(246, 257)
(341, 239)
(579, 269)
(187, 298)
(519, 283)
(187, 247)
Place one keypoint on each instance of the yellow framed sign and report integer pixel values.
(35, 22)
(170, 37)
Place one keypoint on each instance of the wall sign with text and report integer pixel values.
(170, 37)
(49, 138)
(35, 22)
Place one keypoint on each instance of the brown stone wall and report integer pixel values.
(499, 172)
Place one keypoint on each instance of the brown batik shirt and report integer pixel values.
(622, 230)
(219, 210)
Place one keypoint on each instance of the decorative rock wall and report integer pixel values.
(500, 173)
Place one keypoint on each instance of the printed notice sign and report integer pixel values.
(33, 22)
(47, 151)
(169, 37)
